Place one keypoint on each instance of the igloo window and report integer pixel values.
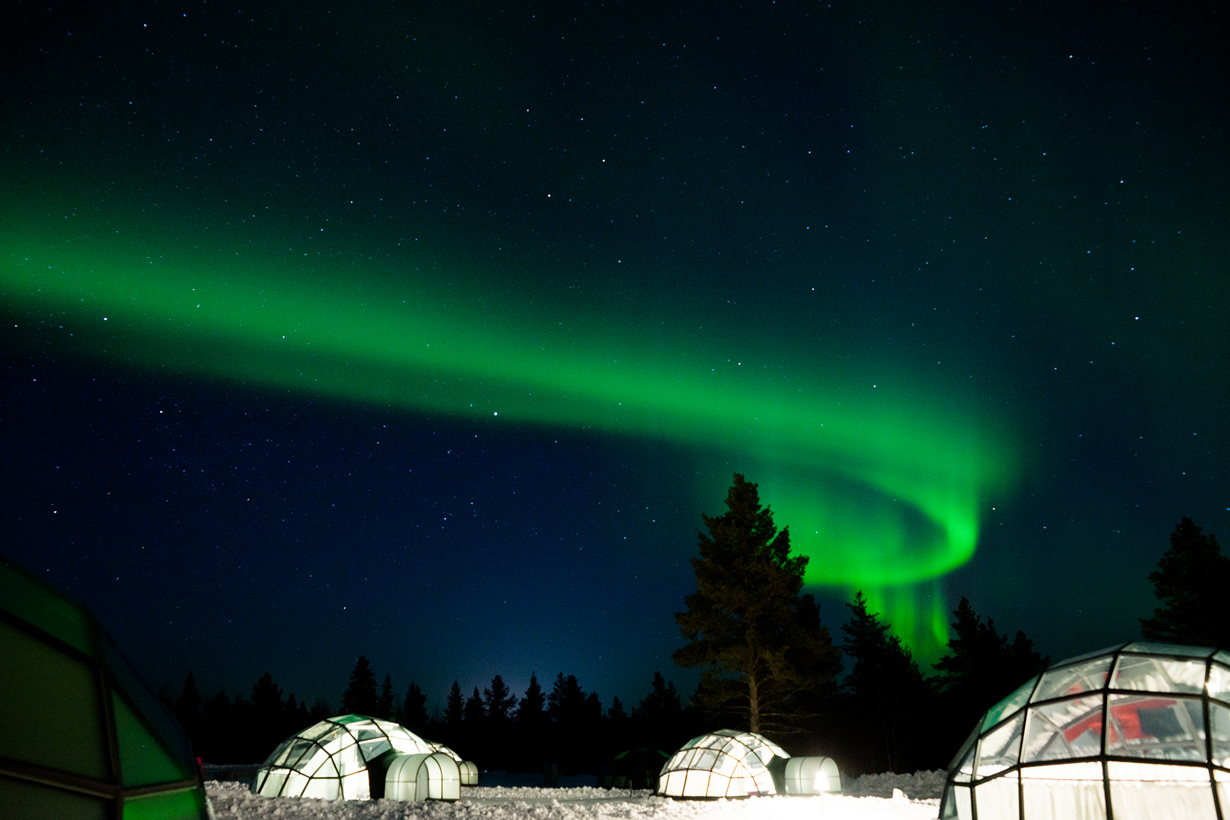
(1064, 729)
(1089, 676)
(1152, 674)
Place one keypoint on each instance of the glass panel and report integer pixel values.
(52, 709)
(965, 769)
(152, 710)
(1152, 674)
(1069, 728)
(1070, 790)
(51, 612)
(1146, 792)
(1169, 649)
(276, 754)
(374, 747)
(1009, 704)
(319, 730)
(181, 805)
(1074, 679)
(1001, 748)
(291, 751)
(967, 748)
(693, 756)
(1166, 728)
(1219, 682)
(1000, 797)
(957, 804)
(1222, 656)
(34, 801)
(948, 804)
(1219, 716)
(143, 760)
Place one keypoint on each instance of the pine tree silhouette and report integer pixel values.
(749, 624)
(1191, 582)
(360, 696)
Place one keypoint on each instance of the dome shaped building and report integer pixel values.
(1139, 731)
(729, 763)
(355, 757)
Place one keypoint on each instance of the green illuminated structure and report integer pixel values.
(81, 736)
(1135, 732)
(881, 483)
(356, 757)
(730, 763)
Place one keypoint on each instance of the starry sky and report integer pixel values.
(427, 331)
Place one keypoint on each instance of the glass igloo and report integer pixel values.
(82, 736)
(725, 763)
(1139, 731)
(350, 758)
(729, 763)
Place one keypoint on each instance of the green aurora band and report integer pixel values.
(880, 487)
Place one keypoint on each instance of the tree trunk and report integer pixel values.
(753, 697)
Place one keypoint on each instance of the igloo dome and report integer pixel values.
(725, 763)
(1139, 731)
(352, 757)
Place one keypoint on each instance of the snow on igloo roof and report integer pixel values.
(725, 763)
(330, 759)
(1132, 721)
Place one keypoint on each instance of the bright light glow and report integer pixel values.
(880, 487)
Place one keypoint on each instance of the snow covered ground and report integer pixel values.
(872, 797)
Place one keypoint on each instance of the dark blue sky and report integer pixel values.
(1016, 212)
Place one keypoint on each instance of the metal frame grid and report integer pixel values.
(1139, 730)
(725, 763)
(330, 759)
(117, 750)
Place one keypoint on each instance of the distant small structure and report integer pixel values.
(730, 763)
(356, 757)
(1139, 731)
(633, 769)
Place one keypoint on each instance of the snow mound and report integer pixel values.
(234, 801)
(919, 786)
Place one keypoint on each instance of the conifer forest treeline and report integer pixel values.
(862, 699)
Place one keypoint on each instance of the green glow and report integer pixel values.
(880, 485)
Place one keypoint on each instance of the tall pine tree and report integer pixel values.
(980, 668)
(413, 712)
(659, 717)
(887, 690)
(531, 710)
(454, 707)
(1190, 581)
(384, 703)
(360, 696)
(475, 714)
(499, 701)
(758, 638)
(566, 703)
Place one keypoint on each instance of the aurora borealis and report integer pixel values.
(426, 309)
(403, 349)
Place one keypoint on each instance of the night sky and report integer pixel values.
(427, 331)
